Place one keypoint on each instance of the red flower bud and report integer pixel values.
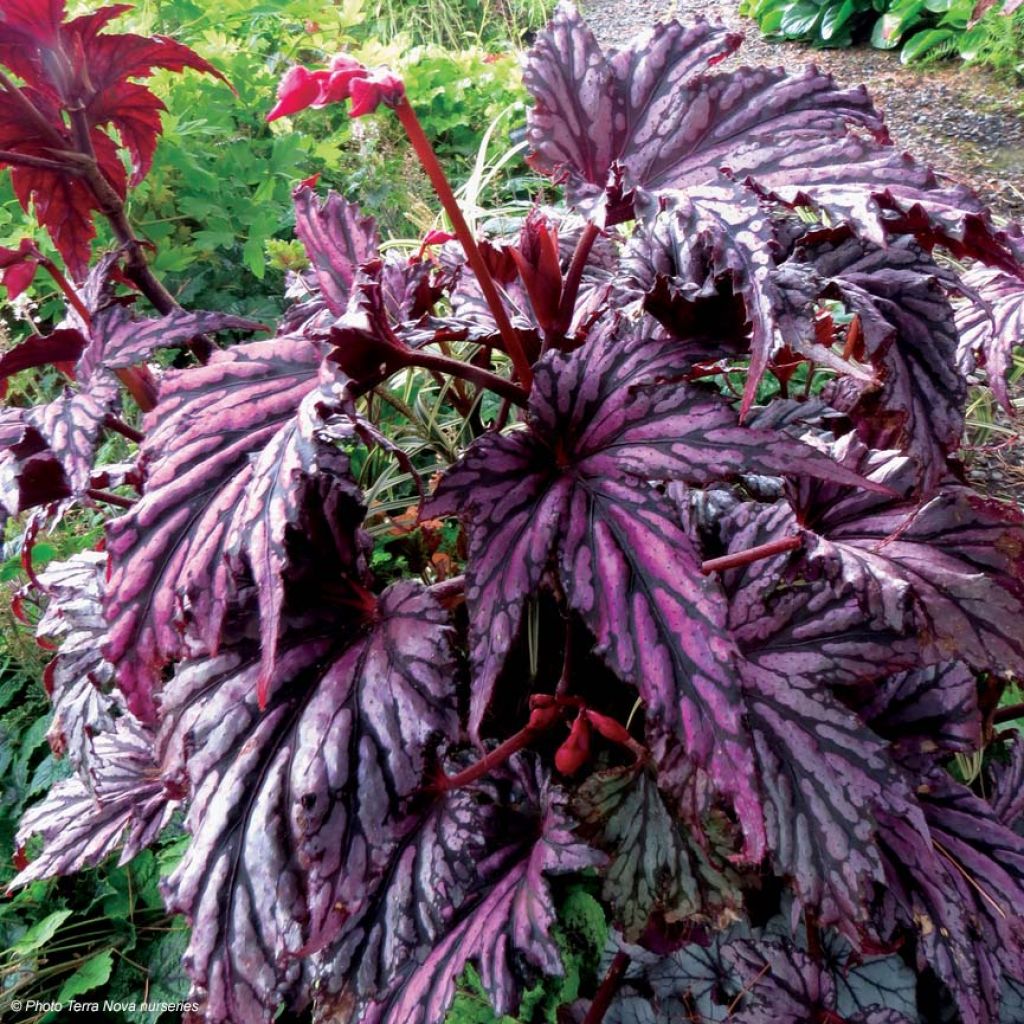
(299, 89)
(609, 728)
(382, 86)
(337, 85)
(572, 755)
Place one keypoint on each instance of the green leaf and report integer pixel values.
(918, 45)
(40, 933)
(801, 19)
(93, 973)
(890, 28)
(835, 18)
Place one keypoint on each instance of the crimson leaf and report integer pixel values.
(78, 70)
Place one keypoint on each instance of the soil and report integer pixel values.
(965, 123)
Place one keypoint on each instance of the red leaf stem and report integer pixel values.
(425, 152)
(541, 720)
(754, 554)
(607, 989)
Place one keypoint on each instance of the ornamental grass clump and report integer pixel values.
(721, 607)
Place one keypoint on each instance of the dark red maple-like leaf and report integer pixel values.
(77, 77)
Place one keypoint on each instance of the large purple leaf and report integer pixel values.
(652, 110)
(907, 333)
(654, 867)
(508, 924)
(958, 889)
(794, 622)
(710, 233)
(219, 434)
(121, 803)
(30, 474)
(787, 985)
(950, 570)
(296, 812)
(71, 424)
(1007, 785)
(78, 675)
(117, 340)
(927, 711)
(826, 778)
(607, 127)
(605, 421)
(337, 238)
(990, 335)
(438, 867)
(590, 106)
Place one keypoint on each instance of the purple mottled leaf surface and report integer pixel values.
(297, 811)
(992, 329)
(511, 918)
(201, 456)
(337, 238)
(118, 802)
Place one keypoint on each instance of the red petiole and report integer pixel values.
(421, 144)
(755, 554)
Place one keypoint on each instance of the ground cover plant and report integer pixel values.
(688, 621)
(982, 31)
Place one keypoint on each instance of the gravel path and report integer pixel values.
(961, 121)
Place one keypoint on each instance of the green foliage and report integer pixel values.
(581, 935)
(924, 29)
(218, 197)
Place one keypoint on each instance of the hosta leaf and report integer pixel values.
(123, 803)
(508, 925)
(654, 868)
(990, 335)
(168, 554)
(296, 812)
(337, 239)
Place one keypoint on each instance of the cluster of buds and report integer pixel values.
(345, 78)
